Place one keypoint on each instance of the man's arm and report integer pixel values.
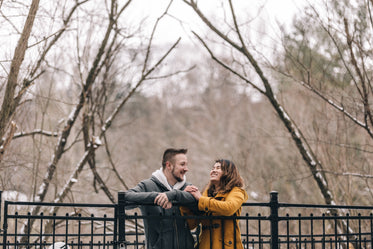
(138, 195)
(181, 197)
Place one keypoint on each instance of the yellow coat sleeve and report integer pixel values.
(233, 201)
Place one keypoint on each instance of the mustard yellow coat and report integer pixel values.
(227, 204)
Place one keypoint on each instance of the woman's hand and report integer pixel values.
(194, 191)
(191, 188)
(196, 194)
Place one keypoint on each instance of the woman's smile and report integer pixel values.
(216, 173)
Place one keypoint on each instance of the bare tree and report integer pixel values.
(11, 97)
(231, 37)
(330, 58)
(104, 88)
(239, 45)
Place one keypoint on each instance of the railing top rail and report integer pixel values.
(324, 206)
(25, 203)
(280, 205)
(247, 204)
(256, 204)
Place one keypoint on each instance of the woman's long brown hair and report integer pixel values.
(230, 178)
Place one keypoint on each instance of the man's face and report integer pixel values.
(179, 167)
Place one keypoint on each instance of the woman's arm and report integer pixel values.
(227, 207)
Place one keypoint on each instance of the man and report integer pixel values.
(165, 186)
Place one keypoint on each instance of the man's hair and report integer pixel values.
(170, 153)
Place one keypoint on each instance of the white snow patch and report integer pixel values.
(72, 113)
(13, 195)
(322, 179)
(59, 245)
(297, 133)
(97, 141)
(254, 195)
(310, 157)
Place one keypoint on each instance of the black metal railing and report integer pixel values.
(282, 225)
(261, 225)
(76, 228)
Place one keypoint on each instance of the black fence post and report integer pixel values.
(5, 224)
(1, 201)
(274, 219)
(121, 219)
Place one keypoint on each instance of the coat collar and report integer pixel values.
(159, 175)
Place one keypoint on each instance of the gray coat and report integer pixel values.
(162, 233)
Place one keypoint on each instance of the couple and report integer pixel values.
(223, 196)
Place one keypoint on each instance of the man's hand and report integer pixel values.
(194, 191)
(162, 200)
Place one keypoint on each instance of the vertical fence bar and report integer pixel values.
(54, 230)
(274, 219)
(41, 231)
(67, 229)
(259, 232)
(28, 229)
(79, 230)
(371, 230)
(359, 215)
(300, 231)
(121, 219)
(92, 231)
(104, 239)
(115, 229)
(247, 230)
(323, 231)
(5, 224)
(348, 229)
(335, 231)
(287, 231)
(136, 232)
(312, 239)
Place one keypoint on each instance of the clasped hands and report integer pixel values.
(194, 191)
(162, 199)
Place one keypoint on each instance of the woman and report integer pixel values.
(223, 196)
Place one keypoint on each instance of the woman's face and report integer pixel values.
(216, 173)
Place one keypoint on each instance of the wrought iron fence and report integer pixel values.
(262, 225)
(58, 225)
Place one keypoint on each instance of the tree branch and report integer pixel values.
(35, 132)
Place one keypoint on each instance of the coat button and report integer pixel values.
(206, 209)
(230, 242)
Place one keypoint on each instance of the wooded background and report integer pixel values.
(90, 101)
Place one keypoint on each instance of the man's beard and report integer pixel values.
(179, 179)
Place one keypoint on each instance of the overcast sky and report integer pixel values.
(170, 28)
